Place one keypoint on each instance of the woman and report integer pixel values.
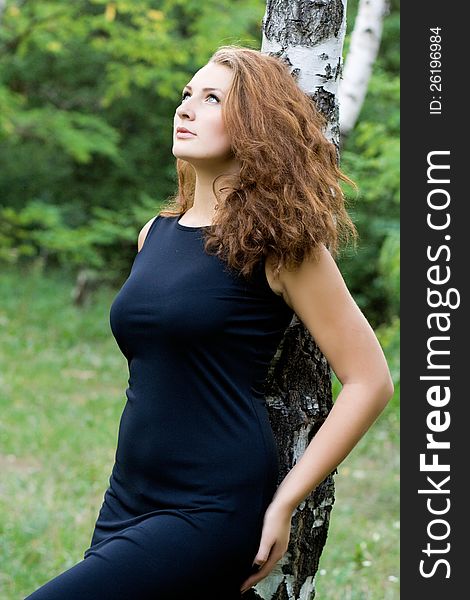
(193, 504)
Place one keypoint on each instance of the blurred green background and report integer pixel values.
(88, 91)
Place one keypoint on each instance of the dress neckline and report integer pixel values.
(190, 227)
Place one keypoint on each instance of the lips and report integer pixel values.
(184, 130)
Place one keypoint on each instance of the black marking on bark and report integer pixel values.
(325, 102)
(302, 23)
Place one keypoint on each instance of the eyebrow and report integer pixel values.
(206, 89)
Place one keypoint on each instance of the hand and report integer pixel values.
(274, 542)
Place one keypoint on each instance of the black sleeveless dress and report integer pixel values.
(196, 463)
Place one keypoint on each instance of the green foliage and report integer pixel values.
(39, 231)
(76, 134)
(371, 157)
(390, 46)
(389, 267)
(21, 231)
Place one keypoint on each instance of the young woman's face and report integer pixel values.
(200, 112)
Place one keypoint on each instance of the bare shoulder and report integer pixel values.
(317, 276)
(319, 272)
(143, 233)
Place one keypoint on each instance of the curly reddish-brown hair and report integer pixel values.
(286, 199)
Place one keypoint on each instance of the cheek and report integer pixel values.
(221, 134)
(219, 126)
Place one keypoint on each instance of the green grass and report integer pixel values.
(62, 391)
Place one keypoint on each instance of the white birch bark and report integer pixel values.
(309, 36)
(365, 42)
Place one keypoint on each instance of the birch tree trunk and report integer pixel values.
(365, 42)
(309, 36)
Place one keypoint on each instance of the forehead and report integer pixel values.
(212, 75)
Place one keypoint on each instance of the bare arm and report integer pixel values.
(321, 300)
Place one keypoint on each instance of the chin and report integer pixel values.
(178, 154)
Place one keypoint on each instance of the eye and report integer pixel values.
(184, 94)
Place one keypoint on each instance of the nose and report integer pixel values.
(185, 111)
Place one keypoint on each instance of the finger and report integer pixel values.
(261, 574)
(263, 553)
(259, 561)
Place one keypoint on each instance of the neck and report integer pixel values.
(205, 201)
